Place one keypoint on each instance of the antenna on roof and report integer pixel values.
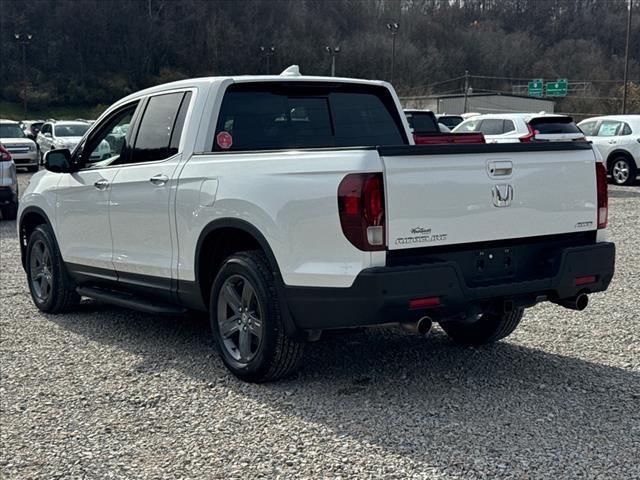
(292, 71)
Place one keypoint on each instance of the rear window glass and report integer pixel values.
(551, 125)
(270, 116)
(422, 122)
(450, 121)
(70, 130)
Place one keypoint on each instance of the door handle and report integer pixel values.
(159, 179)
(101, 184)
(612, 142)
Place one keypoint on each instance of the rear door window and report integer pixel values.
(609, 128)
(160, 128)
(492, 126)
(269, 116)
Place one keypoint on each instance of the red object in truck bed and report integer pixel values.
(438, 138)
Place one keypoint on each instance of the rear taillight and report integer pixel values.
(361, 208)
(5, 156)
(603, 195)
(529, 137)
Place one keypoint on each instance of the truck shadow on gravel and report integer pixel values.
(459, 410)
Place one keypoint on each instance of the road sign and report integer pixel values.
(557, 88)
(535, 87)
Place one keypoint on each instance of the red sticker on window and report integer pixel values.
(224, 140)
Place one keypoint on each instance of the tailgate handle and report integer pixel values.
(500, 168)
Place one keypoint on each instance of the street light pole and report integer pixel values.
(333, 52)
(626, 60)
(466, 90)
(268, 52)
(393, 28)
(23, 40)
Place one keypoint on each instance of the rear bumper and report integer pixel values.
(7, 195)
(381, 295)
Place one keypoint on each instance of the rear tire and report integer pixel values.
(246, 321)
(623, 171)
(487, 329)
(51, 288)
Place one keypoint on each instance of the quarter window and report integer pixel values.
(508, 126)
(626, 129)
(160, 128)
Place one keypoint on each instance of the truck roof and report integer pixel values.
(291, 74)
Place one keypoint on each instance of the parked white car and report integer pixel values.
(617, 137)
(284, 206)
(522, 127)
(22, 149)
(8, 186)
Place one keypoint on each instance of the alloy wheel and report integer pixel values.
(40, 269)
(240, 318)
(620, 171)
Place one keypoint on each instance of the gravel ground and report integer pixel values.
(109, 393)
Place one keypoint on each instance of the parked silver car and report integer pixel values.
(23, 150)
(8, 186)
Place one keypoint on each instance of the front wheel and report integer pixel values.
(623, 171)
(51, 289)
(246, 321)
(488, 328)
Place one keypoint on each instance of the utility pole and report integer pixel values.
(333, 52)
(268, 52)
(393, 28)
(626, 60)
(23, 40)
(466, 89)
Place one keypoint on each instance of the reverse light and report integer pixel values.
(602, 194)
(361, 209)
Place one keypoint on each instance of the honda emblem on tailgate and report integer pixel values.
(502, 195)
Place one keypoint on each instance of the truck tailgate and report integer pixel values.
(454, 194)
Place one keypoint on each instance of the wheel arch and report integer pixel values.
(619, 153)
(226, 236)
(30, 218)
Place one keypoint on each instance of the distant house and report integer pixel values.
(479, 103)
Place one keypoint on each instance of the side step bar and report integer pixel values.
(128, 301)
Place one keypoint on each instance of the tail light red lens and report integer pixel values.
(5, 156)
(603, 195)
(361, 209)
(529, 137)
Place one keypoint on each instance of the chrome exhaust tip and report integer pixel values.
(578, 302)
(422, 326)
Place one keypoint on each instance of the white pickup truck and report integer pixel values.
(288, 205)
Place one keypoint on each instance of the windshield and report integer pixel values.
(71, 130)
(11, 130)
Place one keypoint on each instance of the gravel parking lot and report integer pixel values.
(109, 393)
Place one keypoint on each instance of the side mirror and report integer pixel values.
(58, 161)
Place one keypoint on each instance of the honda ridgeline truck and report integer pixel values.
(285, 206)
